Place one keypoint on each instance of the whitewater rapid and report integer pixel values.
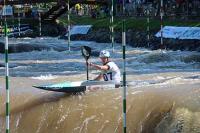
(164, 96)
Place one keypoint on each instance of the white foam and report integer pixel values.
(45, 77)
(138, 60)
(135, 92)
(21, 67)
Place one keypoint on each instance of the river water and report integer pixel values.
(164, 96)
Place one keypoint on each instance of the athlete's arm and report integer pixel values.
(99, 77)
(99, 67)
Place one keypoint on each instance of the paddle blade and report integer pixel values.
(86, 52)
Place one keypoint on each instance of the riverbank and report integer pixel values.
(136, 34)
(134, 38)
(138, 38)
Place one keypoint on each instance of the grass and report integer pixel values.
(131, 23)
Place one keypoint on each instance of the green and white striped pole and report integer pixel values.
(68, 23)
(124, 69)
(7, 74)
(124, 74)
(112, 26)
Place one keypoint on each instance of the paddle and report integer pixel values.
(86, 52)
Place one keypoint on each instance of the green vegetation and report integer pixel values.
(11, 21)
(131, 23)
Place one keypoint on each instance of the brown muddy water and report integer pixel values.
(170, 106)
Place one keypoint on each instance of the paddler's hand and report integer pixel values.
(90, 64)
(94, 65)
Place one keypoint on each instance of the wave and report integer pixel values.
(148, 110)
(45, 77)
(180, 120)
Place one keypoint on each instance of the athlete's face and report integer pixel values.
(104, 60)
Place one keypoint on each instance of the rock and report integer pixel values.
(198, 49)
(17, 48)
(138, 39)
(2, 65)
(134, 38)
(2, 47)
(192, 58)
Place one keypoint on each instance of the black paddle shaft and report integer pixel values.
(86, 52)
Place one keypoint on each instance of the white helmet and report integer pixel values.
(104, 53)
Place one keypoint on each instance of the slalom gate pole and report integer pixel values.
(1, 21)
(40, 22)
(7, 73)
(112, 26)
(124, 68)
(68, 23)
(19, 23)
(148, 29)
(40, 25)
(161, 23)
